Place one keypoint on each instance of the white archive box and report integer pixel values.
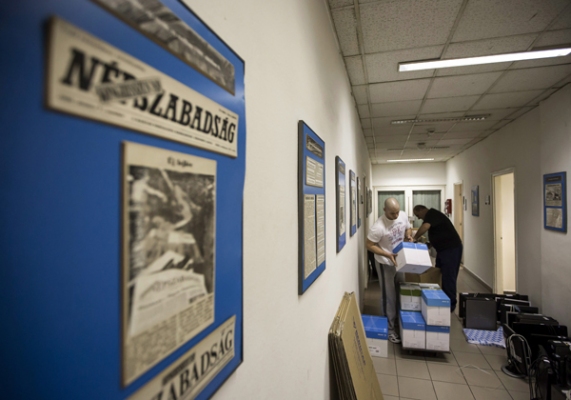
(412, 330)
(437, 338)
(412, 257)
(435, 306)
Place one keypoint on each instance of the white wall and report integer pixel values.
(556, 246)
(536, 144)
(413, 174)
(514, 146)
(293, 71)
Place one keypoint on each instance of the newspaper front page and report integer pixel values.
(89, 78)
(168, 250)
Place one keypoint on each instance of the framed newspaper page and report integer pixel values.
(555, 201)
(311, 206)
(340, 189)
(353, 202)
(169, 219)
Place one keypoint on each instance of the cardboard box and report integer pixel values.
(410, 296)
(435, 307)
(437, 338)
(412, 330)
(431, 275)
(377, 333)
(412, 257)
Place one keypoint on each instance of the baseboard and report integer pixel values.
(476, 277)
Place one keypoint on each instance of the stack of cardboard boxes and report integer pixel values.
(424, 308)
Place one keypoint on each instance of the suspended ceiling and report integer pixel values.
(375, 35)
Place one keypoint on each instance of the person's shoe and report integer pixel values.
(394, 338)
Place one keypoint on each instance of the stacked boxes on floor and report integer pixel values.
(412, 330)
(376, 331)
(424, 317)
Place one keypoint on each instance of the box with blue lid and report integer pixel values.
(377, 332)
(412, 257)
(438, 338)
(412, 330)
(435, 307)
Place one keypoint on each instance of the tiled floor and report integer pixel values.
(467, 372)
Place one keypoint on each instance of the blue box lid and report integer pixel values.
(438, 329)
(375, 327)
(410, 245)
(435, 298)
(412, 320)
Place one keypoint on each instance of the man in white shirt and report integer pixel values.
(386, 233)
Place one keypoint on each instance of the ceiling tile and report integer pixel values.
(396, 108)
(532, 78)
(340, 3)
(346, 27)
(499, 100)
(553, 38)
(367, 132)
(369, 140)
(520, 112)
(450, 142)
(464, 85)
(449, 104)
(365, 122)
(407, 23)
(510, 44)
(543, 96)
(435, 127)
(363, 111)
(384, 139)
(398, 91)
(472, 126)
(383, 67)
(462, 135)
(355, 70)
(422, 136)
(564, 20)
(360, 93)
(492, 18)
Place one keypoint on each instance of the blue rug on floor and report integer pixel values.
(486, 338)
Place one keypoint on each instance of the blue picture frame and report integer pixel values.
(555, 201)
(476, 201)
(311, 207)
(340, 196)
(353, 202)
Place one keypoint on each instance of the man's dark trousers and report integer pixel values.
(448, 261)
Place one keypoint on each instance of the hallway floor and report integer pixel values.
(467, 372)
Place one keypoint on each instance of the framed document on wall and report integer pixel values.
(340, 189)
(555, 201)
(311, 206)
(353, 202)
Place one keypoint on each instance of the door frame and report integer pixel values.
(495, 174)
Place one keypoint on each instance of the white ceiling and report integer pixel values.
(375, 35)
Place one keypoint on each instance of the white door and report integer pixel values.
(504, 233)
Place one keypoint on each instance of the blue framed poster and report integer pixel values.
(311, 206)
(476, 201)
(134, 171)
(353, 202)
(340, 190)
(555, 201)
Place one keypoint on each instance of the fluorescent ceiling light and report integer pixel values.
(412, 159)
(467, 118)
(498, 58)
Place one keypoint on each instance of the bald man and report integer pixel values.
(386, 233)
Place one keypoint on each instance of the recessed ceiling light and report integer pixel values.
(467, 118)
(412, 159)
(498, 58)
